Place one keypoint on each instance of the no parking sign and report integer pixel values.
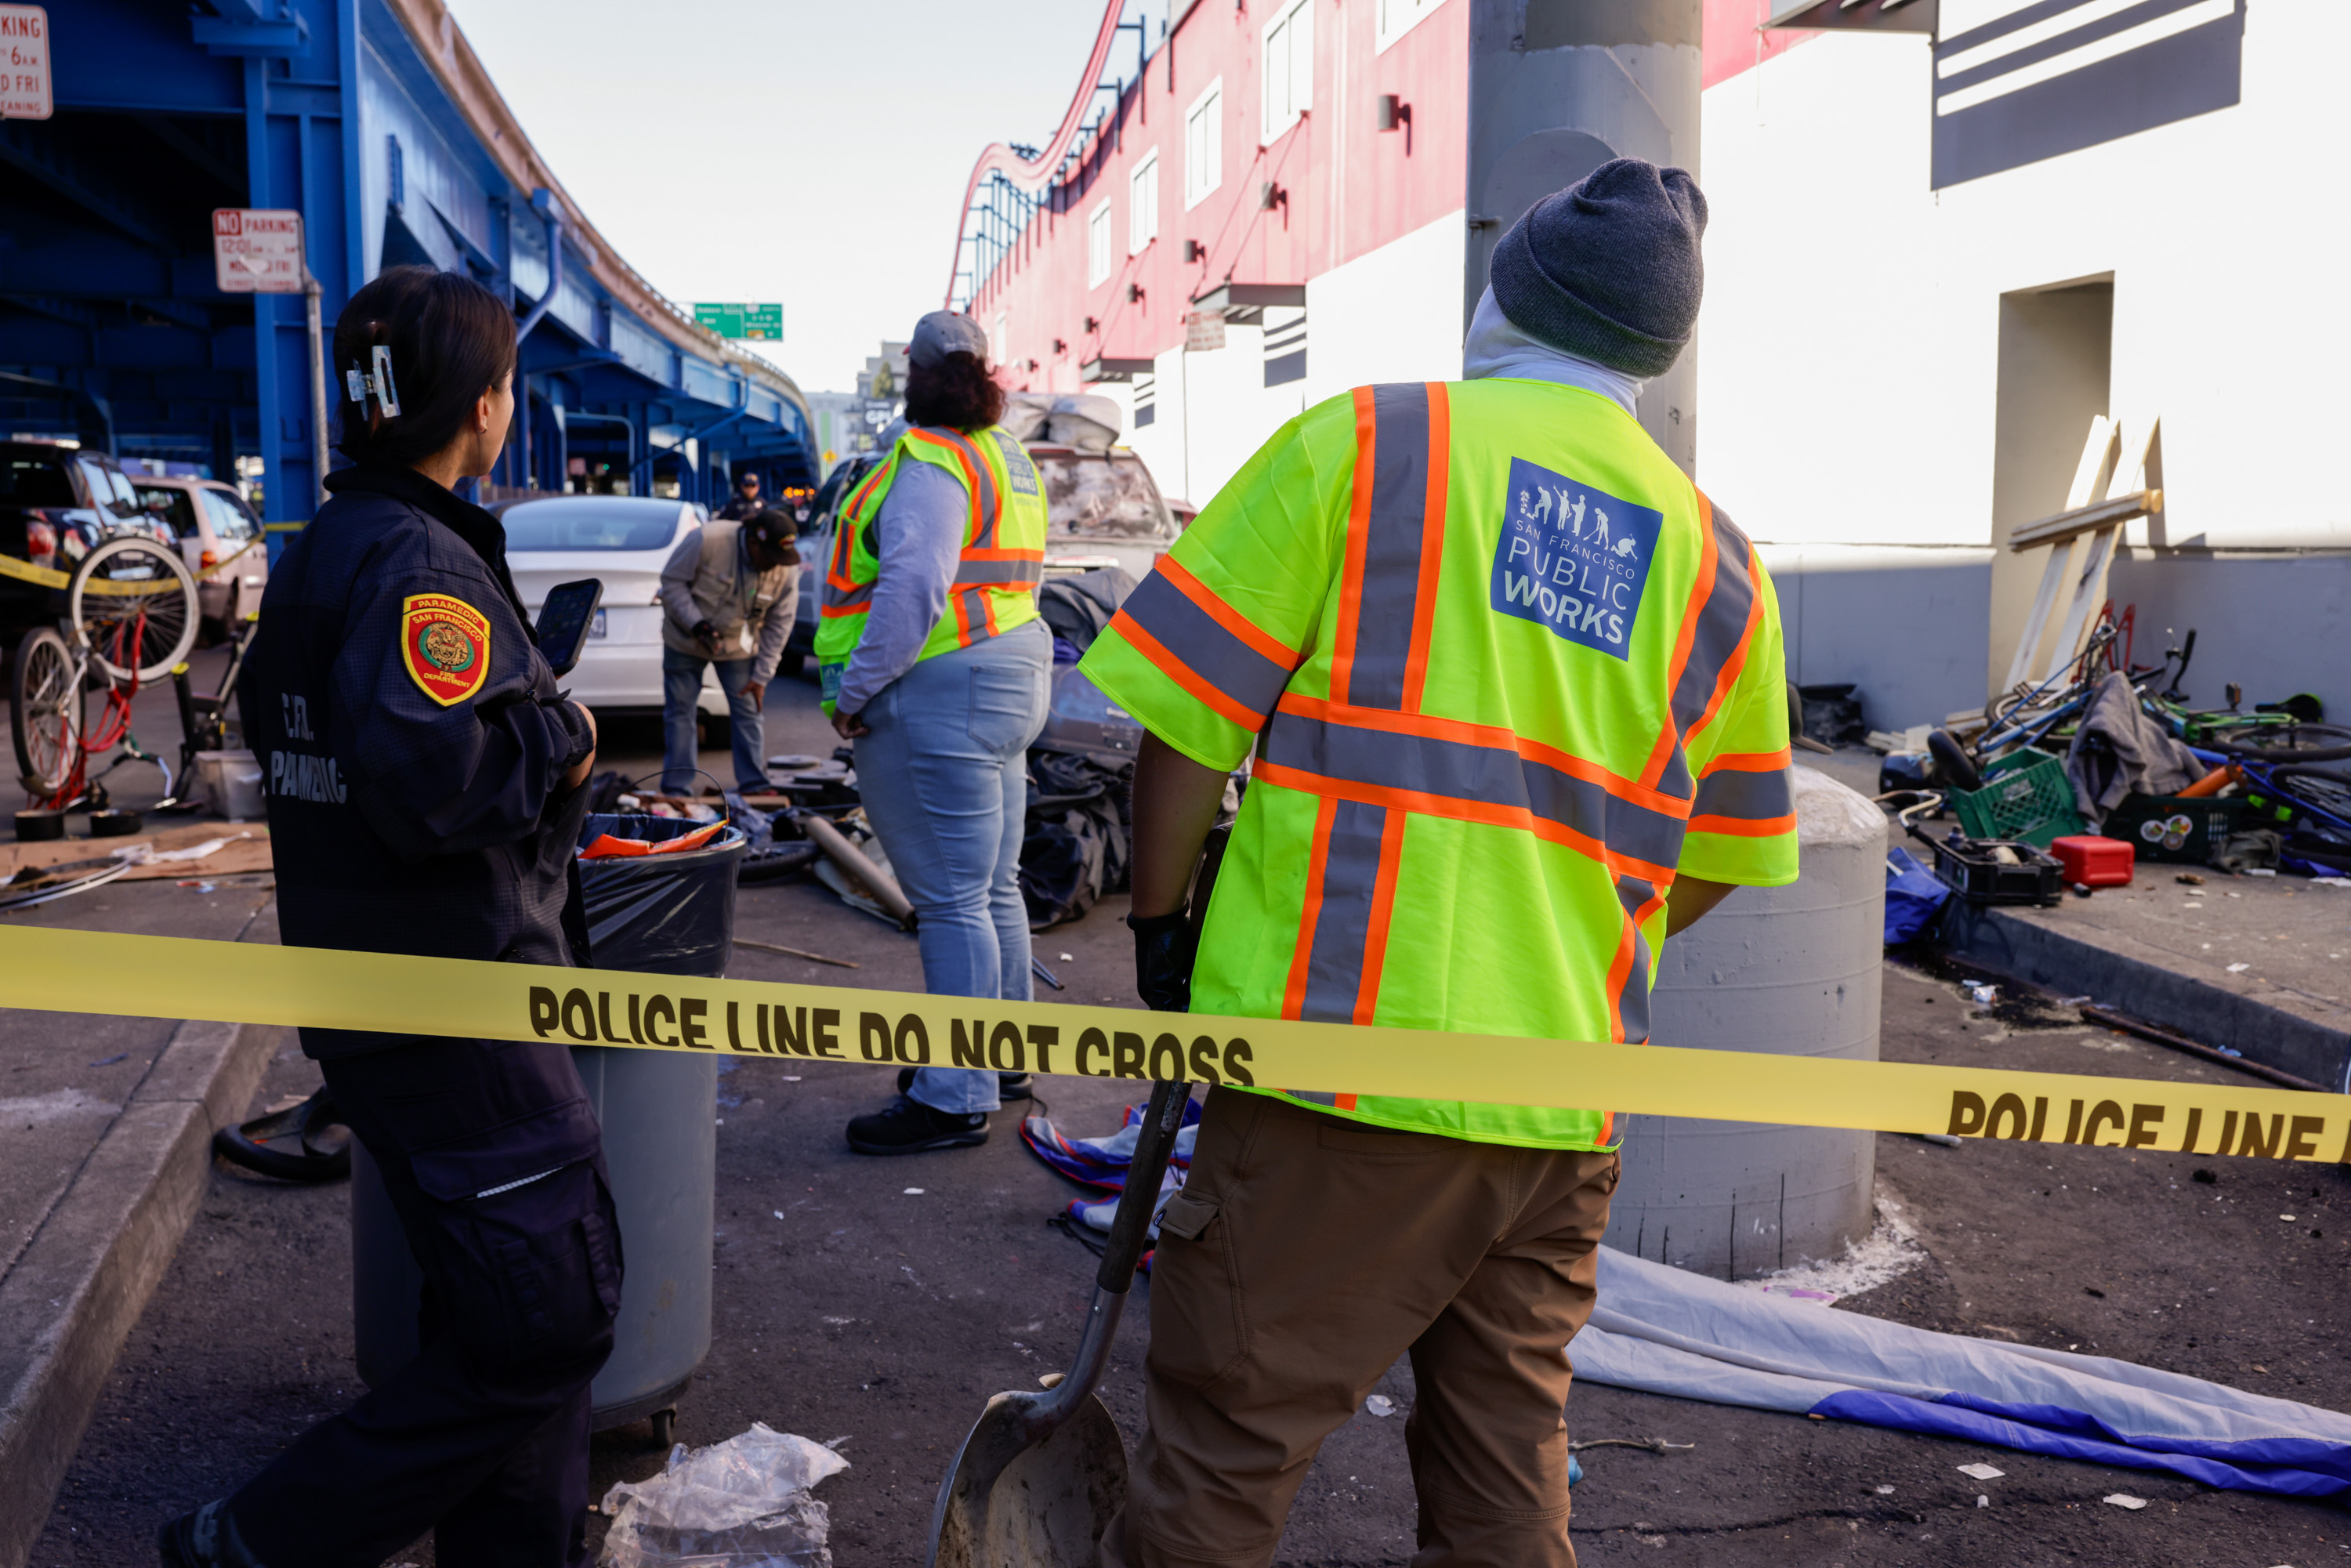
(25, 63)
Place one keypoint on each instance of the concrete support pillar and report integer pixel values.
(1557, 87)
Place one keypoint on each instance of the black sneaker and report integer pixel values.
(910, 1127)
(1009, 1085)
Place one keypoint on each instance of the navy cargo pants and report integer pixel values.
(490, 1151)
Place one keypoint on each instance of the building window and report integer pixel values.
(1398, 17)
(1098, 246)
(1289, 68)
(1203, 144)
(1146, 401)
(1285, 348)
(1142, 204)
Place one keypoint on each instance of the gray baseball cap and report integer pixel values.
(943, 333)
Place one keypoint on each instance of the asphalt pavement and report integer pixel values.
(879, 1302)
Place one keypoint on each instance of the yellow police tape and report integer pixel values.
(49, 578)
(171, 976)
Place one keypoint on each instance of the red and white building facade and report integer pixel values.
(1943, 235)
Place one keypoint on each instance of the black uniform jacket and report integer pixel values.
(410, 740)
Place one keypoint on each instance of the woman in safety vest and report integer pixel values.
(936, 663)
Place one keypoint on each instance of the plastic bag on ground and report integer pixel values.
(1913, 896)
(742, 1503)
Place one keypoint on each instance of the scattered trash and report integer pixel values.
(1885, 1491)
(1805, 1292)
(742, 1503)
(778, 1213)
(1982, 1501)
(1037, 967)
(1380, 1404)
(2190, 878)
(2124, 1500)
(2260, 871)
(2093, 1291)
(1946, 1139)
(2238, 968)
(1069, 958)
(110, 1061)
(2288, 1218)
(794, 953)
(1982, 1472)
(791, 1078)
(2206, 1177)
(914, 1192)
(1913, 896)
(607, 846)
(1981, 993)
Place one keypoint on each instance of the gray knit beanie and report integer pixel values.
(1608, 269)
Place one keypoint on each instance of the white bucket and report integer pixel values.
(230, 783)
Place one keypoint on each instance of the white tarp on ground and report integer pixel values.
(1663, 1331)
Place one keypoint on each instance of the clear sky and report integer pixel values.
(763, 150)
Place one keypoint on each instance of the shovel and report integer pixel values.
(1037, 1482)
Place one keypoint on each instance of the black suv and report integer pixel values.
(57, 503)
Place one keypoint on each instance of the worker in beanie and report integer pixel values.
(1514, 688)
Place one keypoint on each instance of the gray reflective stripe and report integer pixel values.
(975, 614)
(1216, 655)
(1389, 599)
(1351, 876)
(1721, 625)
(1482, 775)
(1633, 1002)
(1314, 1097)
(992, 572)
(1745, 797)
(836, 597)
(509, 1186)
(985, 478)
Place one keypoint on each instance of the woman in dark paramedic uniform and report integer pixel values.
(424, 788)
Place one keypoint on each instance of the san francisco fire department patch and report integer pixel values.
(445, 644)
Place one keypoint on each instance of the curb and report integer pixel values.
(2203, 1012)
(76, 1290)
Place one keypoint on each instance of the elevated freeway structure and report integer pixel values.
(375, 120)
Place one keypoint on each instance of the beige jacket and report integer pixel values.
(709, 578)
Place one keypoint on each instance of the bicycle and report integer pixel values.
(131, 616)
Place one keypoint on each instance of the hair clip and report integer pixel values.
(357, 384)
(387, 395)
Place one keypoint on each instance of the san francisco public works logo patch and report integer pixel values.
(1573, 559)
(445, 644)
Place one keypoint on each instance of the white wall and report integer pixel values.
(1848, 368)
(1390, 314)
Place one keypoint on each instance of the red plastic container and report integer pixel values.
(2094, 861)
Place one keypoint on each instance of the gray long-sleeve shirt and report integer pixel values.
(682, 611)
(921, 530)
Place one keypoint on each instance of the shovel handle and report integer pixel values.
(1161, 1120)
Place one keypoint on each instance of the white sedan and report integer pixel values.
(625, 540)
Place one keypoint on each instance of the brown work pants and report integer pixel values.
(1318, 1250)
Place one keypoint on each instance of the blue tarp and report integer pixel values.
(1912, 896)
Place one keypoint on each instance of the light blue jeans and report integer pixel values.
(681, 691)
(944, 778)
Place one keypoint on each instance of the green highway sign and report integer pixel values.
(758, 322)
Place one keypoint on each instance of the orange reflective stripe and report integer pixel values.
(1432, 544)
(1628, 974)
(1294, 997)
(1179, 578)
(1735, 660)
(978, 483)
(1375, 936)
(1182, 675)
(1701, 588)
(1359, 523)
(1751, 761)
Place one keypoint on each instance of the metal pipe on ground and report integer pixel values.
(853, 865)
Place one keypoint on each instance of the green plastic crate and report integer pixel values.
(2026, 797)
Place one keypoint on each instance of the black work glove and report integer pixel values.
(1163, 950)
(704, 631)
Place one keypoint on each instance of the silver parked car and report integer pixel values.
(625, 540)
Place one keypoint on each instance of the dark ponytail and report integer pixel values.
(450, 341)
(957, 392)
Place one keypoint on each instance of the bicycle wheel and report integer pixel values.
(2286, 743)
(2323, 792)
(45, 713)
(132, 603)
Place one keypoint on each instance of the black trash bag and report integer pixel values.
(1077, 608)
(1833, 714)
(604, 790)
(1080, 843)
(661, 915)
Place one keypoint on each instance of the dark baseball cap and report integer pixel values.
(943, 333)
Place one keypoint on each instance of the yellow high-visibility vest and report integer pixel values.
(1506, 673)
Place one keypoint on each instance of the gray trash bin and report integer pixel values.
(666, 914)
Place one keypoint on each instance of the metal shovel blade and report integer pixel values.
(1051, 1500)
(1037, 1482)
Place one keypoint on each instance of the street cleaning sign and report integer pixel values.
(257, 250)
(754, 323)
(24, 91)
(176, 977)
